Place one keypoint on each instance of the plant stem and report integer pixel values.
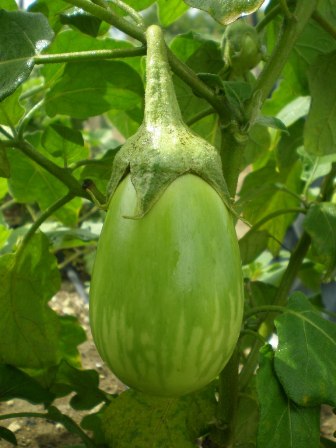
(61, 174)
(69, 423)
(110, 17)
(268, 18)
(273, 215)
(284, 7)
(26, 119)
(7, 204)
(132, 13)
(31, 92)
(228, 399)
(291, 30)
(5, 133)
(232, 155)
(45, 215)
(202, 114)
(89, 55)
(324, 24)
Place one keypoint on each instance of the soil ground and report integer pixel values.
(39, 433)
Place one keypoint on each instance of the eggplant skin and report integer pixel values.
(166, 299)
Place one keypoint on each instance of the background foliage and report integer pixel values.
(71, 90)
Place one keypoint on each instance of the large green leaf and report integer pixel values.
(82, 20)
(30, 183)
(313, 42)
(17, 384)
(282, 422)
(67, 143)
(84, 382)
(226, 11)
(252, 244)
(320, 223)
(68, 41)
(22, 35)
(9, 5)
(158, 422)
(262, 194)
(29, 329)
(304, 361)
(51, 10)
(320, 131)
(87, 89)
(170, 10)
(327, 9)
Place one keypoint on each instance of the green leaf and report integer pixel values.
(271, 122)
(126, 122)
(260, 196)
(226, 11)
(93, 423)
(252, 244)
(313, 166)
(65, 238)
(17, 384)
(246, 419)
(7, 435)
(320, 223)
(4, 164)
(51, 10)
(327, 9)
(30, 182)
(209, 129)
(11, 110)
(99, 171)
(87, 89)
(67, 143)
(158, 422)
(313, 41)
(289, 146)
(84, 382)
(29, 329)
(9, 5)
(72, 334)
(202, 56)
(3, 187)
(237, 92)
(4, 234)
(304, 361)
(320, 132)
(22, 35)
(257, 145)
(140, 5)
(282, 423)
(85, 22)
(69, 41)
(170, 10)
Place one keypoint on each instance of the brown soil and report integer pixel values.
(39, 433)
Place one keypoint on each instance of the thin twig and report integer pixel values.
(90, 55)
